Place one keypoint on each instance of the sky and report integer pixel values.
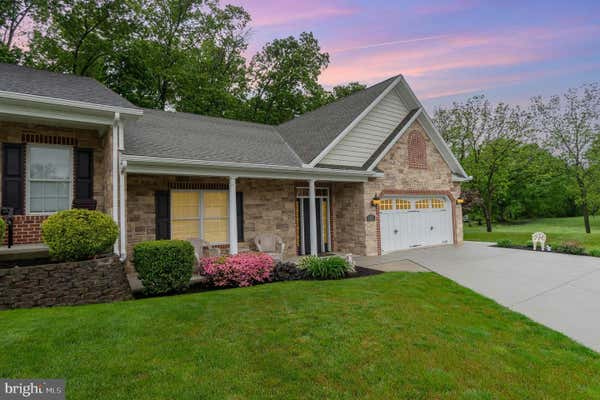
(447, 50)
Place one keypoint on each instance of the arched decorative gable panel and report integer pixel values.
(417, 150)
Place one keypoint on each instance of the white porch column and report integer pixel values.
(115, 175)
(233, 243)
(312, 209)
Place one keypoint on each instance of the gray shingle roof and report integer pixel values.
(190, 136)
(309, 134)
(18, 79)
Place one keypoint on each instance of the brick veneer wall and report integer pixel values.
(268, 208)
(353, 201)
(27, 228)
(92, 281)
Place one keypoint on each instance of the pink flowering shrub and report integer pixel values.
(245, 269)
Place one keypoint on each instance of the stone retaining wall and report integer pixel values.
(93, 281)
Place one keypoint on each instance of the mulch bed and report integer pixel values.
(362, 272)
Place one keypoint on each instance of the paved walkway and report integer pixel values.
(557, 290)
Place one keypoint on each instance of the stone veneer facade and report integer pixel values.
(93, 281)
(27, 228)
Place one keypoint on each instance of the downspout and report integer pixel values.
(122, 206)
(115, 172)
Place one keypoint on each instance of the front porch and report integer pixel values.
(217, 209)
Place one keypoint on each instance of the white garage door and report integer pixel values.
(409, 221)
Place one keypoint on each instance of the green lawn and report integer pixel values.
(556, 230)
(395, 335)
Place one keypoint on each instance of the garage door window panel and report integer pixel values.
(422, 204)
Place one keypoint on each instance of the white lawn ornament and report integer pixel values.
(539, 237)
(350, 260)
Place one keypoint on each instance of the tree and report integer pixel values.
(12, 15)
(187, 55)
(593, 157)
(537, 186)
(570, 125)
(80, 36)
(485, 137)
(341, 91)
(283, 79)
(213, 75)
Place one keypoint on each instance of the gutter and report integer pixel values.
(309, 171)
(458, 178)
(70, 103)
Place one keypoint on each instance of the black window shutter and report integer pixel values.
(13, 176)
(239, 199)
(163, 214)
(84, 174)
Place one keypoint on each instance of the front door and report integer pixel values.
(303, 220)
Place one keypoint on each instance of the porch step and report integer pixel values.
(24, 252)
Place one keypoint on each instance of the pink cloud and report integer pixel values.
(444, 8)
(455, 63)
(283, 12)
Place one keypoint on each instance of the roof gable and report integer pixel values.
(310, 133)
(366, 136)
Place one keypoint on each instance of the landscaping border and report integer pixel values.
(80, 282)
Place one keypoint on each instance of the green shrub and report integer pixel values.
(325, 268)
(570, 247)
(529, 244)
(594, 253)
(504, 243)
(2, 229)
(74, 235)
(164, 265)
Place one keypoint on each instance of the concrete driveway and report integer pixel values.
(557, 290)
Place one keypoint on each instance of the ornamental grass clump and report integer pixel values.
(239, 270)
(325, 268)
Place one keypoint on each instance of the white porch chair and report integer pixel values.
(202, 248)
(270, 244)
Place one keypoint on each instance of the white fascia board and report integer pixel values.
(355, 122)
(31, 98)
(45, 113)
(393, 142)
(172, 166)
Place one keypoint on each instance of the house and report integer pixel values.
(367, 174)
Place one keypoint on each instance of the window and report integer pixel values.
(437, 203)
(422, 203)
(200, 214)
(49, 178)
(386, 204)
(402, 204)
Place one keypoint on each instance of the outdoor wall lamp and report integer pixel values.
(376, 201)
(460, 201)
